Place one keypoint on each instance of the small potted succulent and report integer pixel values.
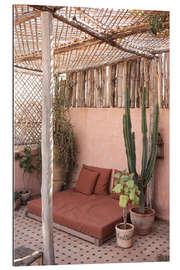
(25, 162)
(129, 193)
(17, 201)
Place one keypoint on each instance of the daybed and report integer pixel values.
(87, 211)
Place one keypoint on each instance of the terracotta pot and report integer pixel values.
(17, 204)
(142, 222)
(25, 197)
(124, 236)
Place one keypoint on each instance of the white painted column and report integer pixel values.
(47, 137)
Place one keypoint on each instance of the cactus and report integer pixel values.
(129, 139)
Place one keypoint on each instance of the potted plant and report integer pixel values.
(25, 162)
(65, 146)
(129, 193)
(17, 201)
(141, 217)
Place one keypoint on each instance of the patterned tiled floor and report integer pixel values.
(71, 250)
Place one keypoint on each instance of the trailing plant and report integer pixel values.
(129, 139)
(129, 192)
(25, 162)
(39, 162)
(64, 139)
(16, 195)
(156, 20)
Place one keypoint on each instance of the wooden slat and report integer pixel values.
(32, 37)
(103, 69)
(166, 81)
(109, 86)
(160, 81)
(96, 88)
(91, 81)
(124, 82)
(74, 89)
(113, 86)
(146, 79)
(132, 83)
(137, 105)
(81, 89)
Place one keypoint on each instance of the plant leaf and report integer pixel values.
(123, 201)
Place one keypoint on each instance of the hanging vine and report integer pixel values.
(156, 21)
(64, 139)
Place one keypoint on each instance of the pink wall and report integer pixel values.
(100, 141)
(99, 135)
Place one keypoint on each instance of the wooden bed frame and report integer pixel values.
(91, 239)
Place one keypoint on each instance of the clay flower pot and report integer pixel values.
(142, 222)
(17, 204)
(25, 196)
(124, 235)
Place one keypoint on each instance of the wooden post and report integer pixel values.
(47, 138)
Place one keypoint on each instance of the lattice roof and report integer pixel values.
(86, 37)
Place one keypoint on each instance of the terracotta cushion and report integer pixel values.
(94, 215)
(103, 180)
(113, 180)
(86, 181)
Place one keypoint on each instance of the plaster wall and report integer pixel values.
(99, 134)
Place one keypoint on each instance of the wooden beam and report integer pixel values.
(124, 32)
(47, 138)
(100, 36)
(89, 17)
(27, 17)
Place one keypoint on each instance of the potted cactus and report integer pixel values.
(141, 217)
(129, 193)
(25, 162)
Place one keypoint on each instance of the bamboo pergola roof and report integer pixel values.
(86, 37)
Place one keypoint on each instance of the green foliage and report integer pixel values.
(155, 20)
(16, 195)
(39, 162)
(64, 139)
(128, 190)
(147, 164)
(25, 162)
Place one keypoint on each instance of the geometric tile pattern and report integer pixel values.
(72, 250)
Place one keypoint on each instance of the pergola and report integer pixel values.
(86, 37)
(62, 39)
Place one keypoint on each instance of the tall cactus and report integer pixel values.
(129, 139)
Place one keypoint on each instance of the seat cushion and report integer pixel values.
(94, 215)
(103, 180)
(86, 181)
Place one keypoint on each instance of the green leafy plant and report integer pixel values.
(64, 139)
(39, 162)
(156, 20)
(128, 190)
(148, 163)
(16, 195)
(25, 162)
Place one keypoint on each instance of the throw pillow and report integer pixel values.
(103, 180)
(86, 181)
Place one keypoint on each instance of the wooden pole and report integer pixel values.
(47, 138)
